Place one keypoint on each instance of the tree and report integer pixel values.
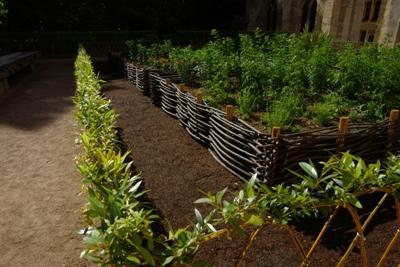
(3, 11)
(165, 16)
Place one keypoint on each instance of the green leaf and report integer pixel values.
(397, 194)
(146, 255)
(115, 212)
(211, 227)
(90, 241)
(253, 219)
(97, 206)
(309, 169)
(353, 201)
(220, 194)
(167, 261)
(346, 178)
(93, 258)
(204, 200)
(339, 182)
(135, 187)
(250, 186)
(199, 217)
(359, 168)
(134, 259)
(237, 227)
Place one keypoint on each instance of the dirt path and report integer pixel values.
(39, 193)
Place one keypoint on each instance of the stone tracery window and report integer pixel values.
(371, 10)
(272, 11)
(308, 16)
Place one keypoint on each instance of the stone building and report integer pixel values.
(345, 20)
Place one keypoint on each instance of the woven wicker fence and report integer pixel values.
(244, 150)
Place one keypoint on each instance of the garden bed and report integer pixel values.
(174, 166)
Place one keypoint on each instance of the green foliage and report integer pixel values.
(253, 65)
(119, 231)
(3, 11)
(284, 111)
(339, 182)
(257, 70)
(328, 110)
(183, 60)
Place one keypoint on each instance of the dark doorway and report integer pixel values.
(309, 14)
(272, 11)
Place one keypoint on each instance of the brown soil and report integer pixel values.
(40, 186)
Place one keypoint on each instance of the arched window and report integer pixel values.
(371, 10)
(272, 11)
(308, 15)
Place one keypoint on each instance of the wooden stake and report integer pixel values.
(199, 96)
(168, 80)
(182, 87)
(276, 131)
(229, 112)
(342, 127)
(344, 121)
(394, 116)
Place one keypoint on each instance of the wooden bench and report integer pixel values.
(12, 63)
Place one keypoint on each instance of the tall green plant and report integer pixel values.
(253, 65)
(284, 111)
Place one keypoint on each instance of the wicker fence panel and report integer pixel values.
(245, 151)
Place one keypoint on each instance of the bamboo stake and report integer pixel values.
(253, 235)
(342, 129)
(229, 112)
(368, 220)
(397, 234)
(182, 87)
(275, 133)
(394, 116)
(229, 117)
(199, 97)
(321, 233)
(360, 233)
(249, 243)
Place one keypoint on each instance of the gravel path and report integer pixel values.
(39, 193)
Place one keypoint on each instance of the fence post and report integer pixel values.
(229, 112)
(137, 76)
(146, 85)
(182, 87)
(168, 81)
(394, 116)
(199, 97)
(275, 133)
(342, 129)
(199, 101)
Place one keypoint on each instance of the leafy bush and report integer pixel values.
(284, 111)
(257, 70)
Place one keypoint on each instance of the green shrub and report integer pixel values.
(330, 109)
(283, 112)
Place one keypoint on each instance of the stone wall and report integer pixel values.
(345, 20)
